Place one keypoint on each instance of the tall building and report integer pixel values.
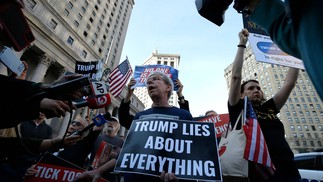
(164, 59)
(302, 115)
(70, 31)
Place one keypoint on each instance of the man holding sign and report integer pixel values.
(159, 87)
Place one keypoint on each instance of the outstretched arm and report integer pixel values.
(124, 116)
(236, 77)
(283, 93)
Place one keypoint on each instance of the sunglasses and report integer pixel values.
(77, 123)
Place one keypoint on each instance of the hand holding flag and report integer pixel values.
(256, 148)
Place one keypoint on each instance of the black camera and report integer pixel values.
(213, 10)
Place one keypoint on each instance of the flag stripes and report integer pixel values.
(256, 148)
(119, 76)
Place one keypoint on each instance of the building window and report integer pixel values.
(95, 35)
(292, 128)
(320, 127)
(88, 26)
(70, 5)
(80, 16)
(299, 127)
(310, 120)
(297, 143)
(301, 113)
(313, 127)
(309, 135)
(296, 120)
(91, 19)
(294, 135)
(83, 9)
(304, 143)
(306, 127)
(93, 42)
(303, 120)
(86, 3)
(290, 120)
(85, 34)
(31, 3)
(158, 62)
(52, 24)
(301, 135)
(66, 12)
(317, 120)
(93, 13)
(172, 63)
(70, 40)
(76, 23)
(319, 143)
(307, 113)
(312, 143)
(84, 54)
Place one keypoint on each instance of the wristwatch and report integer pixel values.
(180, 98)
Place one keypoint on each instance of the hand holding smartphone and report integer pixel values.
(11, 61)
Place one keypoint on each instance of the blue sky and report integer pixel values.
(175, 27)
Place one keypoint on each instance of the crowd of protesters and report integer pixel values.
(26, 137)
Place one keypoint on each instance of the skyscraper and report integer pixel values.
(302, 115)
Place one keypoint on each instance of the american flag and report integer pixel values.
(119, 76)
(256, 148)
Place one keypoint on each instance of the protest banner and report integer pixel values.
(141, 73)
(186, 148)
(265, 50)
(91, 69)
(220, 122)
(53, 168)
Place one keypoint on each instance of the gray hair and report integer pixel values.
(165, 78)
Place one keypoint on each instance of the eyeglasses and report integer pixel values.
(77, 123)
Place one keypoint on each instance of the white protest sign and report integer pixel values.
(268, 52)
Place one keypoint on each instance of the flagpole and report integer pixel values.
(108, 55)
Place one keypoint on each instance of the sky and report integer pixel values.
(175, 27)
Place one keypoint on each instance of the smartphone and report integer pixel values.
(11, 61)
(16, 31)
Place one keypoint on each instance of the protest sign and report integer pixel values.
(104, 153)
(186, 148)
(141, 73)
(53, 168)
(91, 69)
(265, 50)
(220, 122)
